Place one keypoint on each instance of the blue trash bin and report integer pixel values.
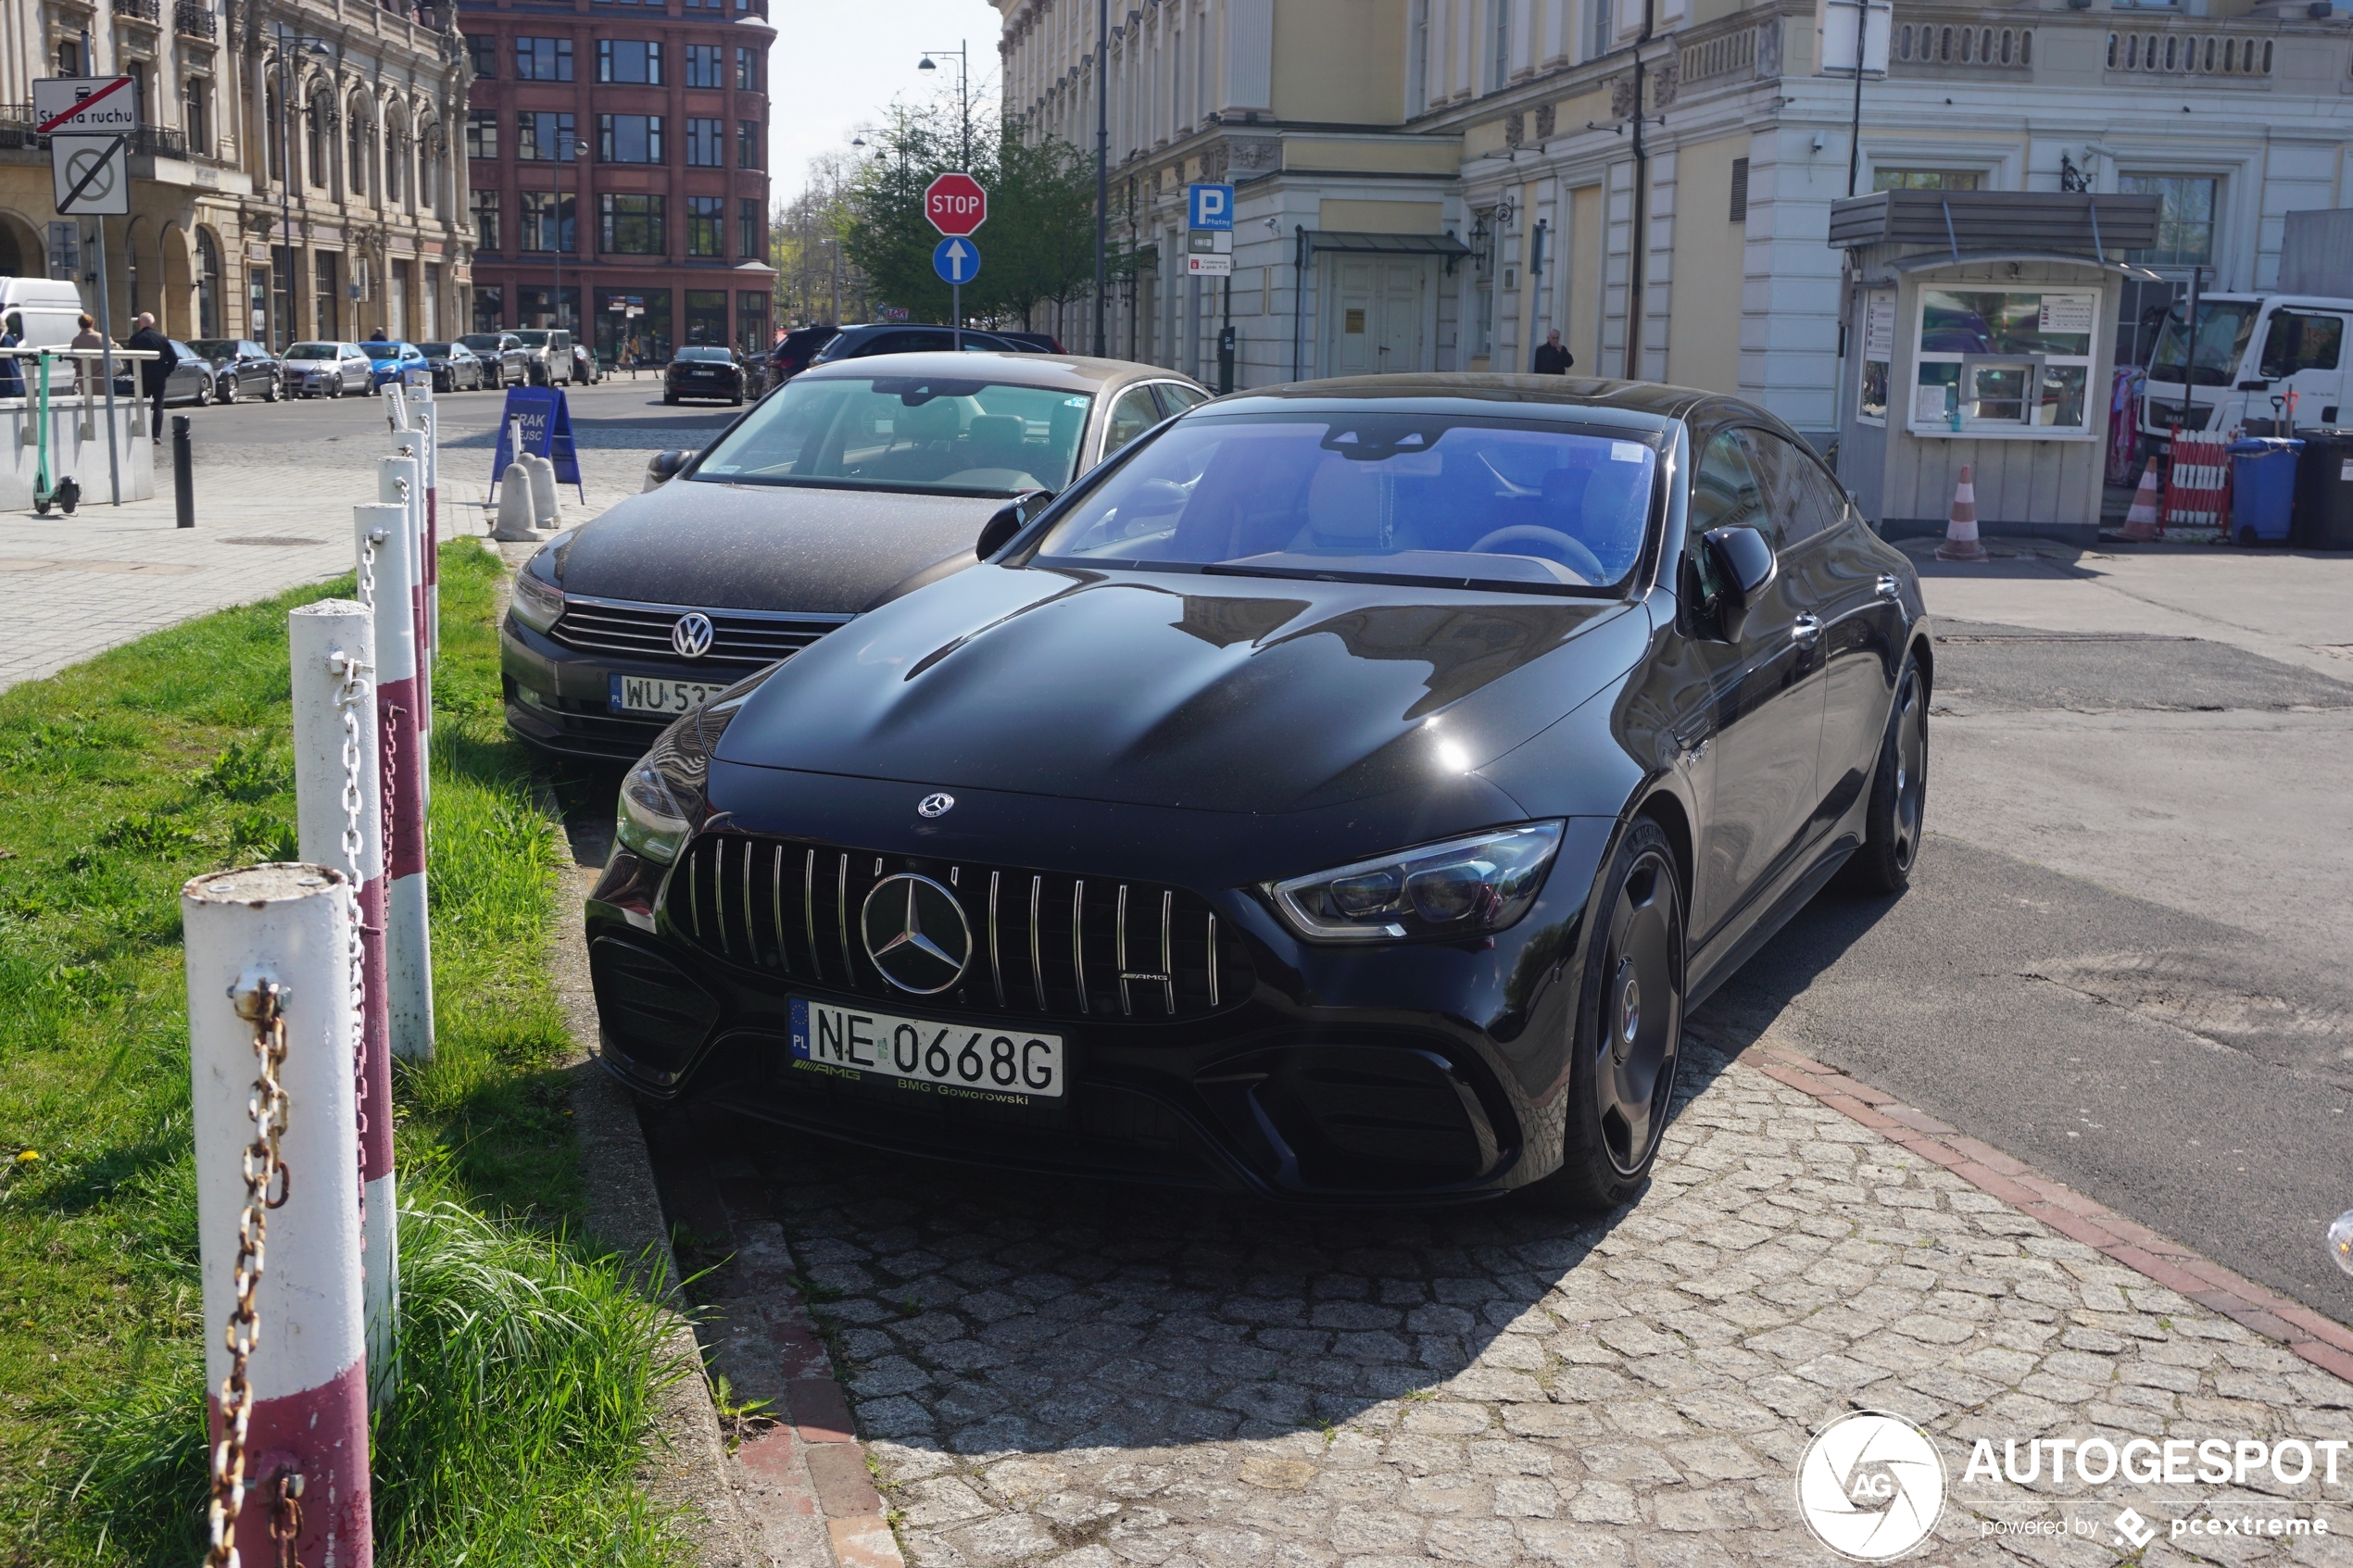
(2262, 487)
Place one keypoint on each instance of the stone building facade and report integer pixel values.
(341, 219)
(1438, 183)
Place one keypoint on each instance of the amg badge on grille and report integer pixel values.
(916, 934)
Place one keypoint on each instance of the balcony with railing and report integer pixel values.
(2144, 51)
(1961, 46)
(147, 11)
(193, 18)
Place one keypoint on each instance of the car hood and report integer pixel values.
(760, 546)
(1217, 693)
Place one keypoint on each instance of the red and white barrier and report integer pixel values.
(339, 816)
(400, 482)
(2197, 481)
(400, 696)
(280, 933)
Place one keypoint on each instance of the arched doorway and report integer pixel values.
(208, 285)
(22, 253)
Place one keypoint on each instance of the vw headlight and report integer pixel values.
(1462, 887)
(539, 604)
(651, 821)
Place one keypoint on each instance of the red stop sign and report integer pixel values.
(955, 203)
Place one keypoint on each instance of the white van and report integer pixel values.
(2251, 349)
(47, 310)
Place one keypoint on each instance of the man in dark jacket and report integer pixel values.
(1552, 359)
(155, 374)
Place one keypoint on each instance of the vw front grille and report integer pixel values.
(1045, 944)
(747, 638)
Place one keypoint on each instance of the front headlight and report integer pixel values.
(1462, 887)
(650, 820)
(538, 605)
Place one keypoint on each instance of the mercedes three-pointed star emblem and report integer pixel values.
(916, 934)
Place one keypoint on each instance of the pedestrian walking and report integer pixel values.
(11, 368)
(153, 374)
(88, 337)
(1552, 359)
(378, 336)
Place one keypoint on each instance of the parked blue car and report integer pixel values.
(388, 361)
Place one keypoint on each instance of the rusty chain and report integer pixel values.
(286, 1519)
(352, 697)
(260, 1000)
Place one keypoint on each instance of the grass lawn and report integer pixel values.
(529, 1365)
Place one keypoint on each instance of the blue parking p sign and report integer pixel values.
(1209, 207)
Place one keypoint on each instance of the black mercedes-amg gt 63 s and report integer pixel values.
(1340, 796)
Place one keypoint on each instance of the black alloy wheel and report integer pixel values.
(1629, 1038)
(229, 387)
(1899, 792)
(271, 393)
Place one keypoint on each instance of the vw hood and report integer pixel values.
(1213, 693)
(745, 547)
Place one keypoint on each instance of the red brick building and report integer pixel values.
(621, 142)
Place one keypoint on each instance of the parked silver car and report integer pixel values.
(329, 368)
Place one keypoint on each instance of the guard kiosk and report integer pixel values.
(1980, 333)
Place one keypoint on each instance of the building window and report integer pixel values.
(542, 138)
(626, 59)
(751, 322)
(314, 139)
(1417, 61)
(707, 317)
(752, 234)
(628, 138)
(483, 50)
(543, 59)
(629, 225)
(69, 59)
(703, 65)
(1925, 179)
(208, 285)
(490, 307)
(1482, 322)
(748, 141)
(482, 138)
(2185, 218)
(1502, 66)
(357, 138)
(395, 159)
(199, 119)
(1599, 25)
(546, 222)
(705, 216)
(1739, 190)
(326, 303)
(2014, 362)
(482, 207)
(748, 61)
(706, 143)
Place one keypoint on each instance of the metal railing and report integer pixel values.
(17, 122)
(1963, 45)
(193, 18)
(2183, 53)
(147, 11)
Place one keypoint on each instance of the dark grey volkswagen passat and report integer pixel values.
(848, 488)
(1339, 796)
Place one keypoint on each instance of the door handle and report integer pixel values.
(1805, 629)
(1889, 587)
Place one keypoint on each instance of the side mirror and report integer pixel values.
(1740, 561)
(1009, 520)
(2253, 386)
(662, 466)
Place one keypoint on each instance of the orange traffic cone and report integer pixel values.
(1960, 529)
(2140, 524)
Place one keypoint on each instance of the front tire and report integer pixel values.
(229, 390)
(1899, 792)
(1627, 1039)
(334, 387)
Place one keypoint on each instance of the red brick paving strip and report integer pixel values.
(2324, 1342)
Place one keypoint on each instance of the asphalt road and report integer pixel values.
(621, 406)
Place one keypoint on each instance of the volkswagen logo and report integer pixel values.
(935, 804)
(692, 635)
(916, 934)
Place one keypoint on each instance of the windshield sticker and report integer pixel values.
(1626, 451)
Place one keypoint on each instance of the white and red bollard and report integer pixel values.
(338, 793)
(1960, 527)
(399, 697)
(400, 482)
(284, 929)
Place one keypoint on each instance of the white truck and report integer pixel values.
(2251, 350)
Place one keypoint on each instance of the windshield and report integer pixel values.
(315, 351)
(535, 338)
(481, 340)
(384, 350)
(434, 350)
(214, 347)
(1375, 494)
(715, 356)
(906, 432)
(2223, 327)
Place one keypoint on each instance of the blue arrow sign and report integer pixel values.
(956, 261)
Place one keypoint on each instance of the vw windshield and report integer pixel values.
(958, 435)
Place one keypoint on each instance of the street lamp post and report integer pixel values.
(963, 105)
(579, 149)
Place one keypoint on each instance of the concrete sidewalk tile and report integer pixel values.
(1929, 1148)
(2328, 1331)
(865, 1543)
(1918, 1121)
(822, 1410)
(2328, 1358)
(1858, 1111)
(2249, 1316)
(2161, 1270)
(1995, 1184)
(2075, 1227)
(845, 1491)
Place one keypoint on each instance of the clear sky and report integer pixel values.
(837, 64)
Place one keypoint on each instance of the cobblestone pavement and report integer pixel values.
(1098, 1376)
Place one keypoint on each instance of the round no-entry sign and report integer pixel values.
(956, 205)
